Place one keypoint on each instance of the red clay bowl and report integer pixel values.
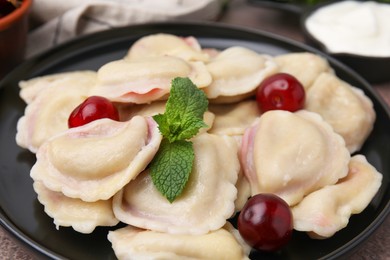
(13, 34)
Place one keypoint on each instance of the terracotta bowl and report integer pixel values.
(13, 34)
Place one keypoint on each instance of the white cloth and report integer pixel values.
(60, 21)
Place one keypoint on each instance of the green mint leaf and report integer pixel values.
(183, 117)
(184, 111)
(163, 125)
(171, 167)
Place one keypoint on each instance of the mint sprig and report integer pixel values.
(184, 111)
(171, 167)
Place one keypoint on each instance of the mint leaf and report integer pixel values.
(184, 111)
(183, 117)
(171, 167)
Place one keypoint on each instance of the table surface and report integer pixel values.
(285, 24)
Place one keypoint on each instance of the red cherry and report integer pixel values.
(280, 91)
(265, 222)
(91, 109)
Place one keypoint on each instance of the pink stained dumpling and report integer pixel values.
(50, 100)
(155, 45)
(206, 202)
(326, 211)
(147, 79)
(292, 154)
(94, 161)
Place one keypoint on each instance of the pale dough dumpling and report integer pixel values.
(233, 119)
(243, 191)
(292, 154)
(127, 111)
(51, 101)
(206, 202)
(82, 216)
(146, 79)
(305, 66)
(236, 73)
(134, 243)
(94, 161)
(326, 211)
(30, 89)
(345, 108)
(163, 44)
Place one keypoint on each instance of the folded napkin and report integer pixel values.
(59, 21)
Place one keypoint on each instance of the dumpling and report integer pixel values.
(155, 45)
(30, 89)
(211, 52)
(326, 211)
(305, 66)
(204, 205)
(134, 243)
(94, 161)
(82, 216)
(128, 111)
(145, 80)
(243, 191)
(236, 73)
(292, 154)
(51, 100)
(345, 108)
(233, 119)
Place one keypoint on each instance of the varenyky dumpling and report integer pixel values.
(50, 99)
(305, 66)
(236, 73)
(233, 119)
(243, 191)
(30, 89)
(127, 111)
(326, 211)
(155, 45)
(292, 154)
(134, 243)
(82, 216)
(206, 202)
(94, 161)
(146, 79)
(345, 108)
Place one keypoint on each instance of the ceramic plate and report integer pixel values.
(23, 216)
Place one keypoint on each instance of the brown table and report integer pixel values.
(285, 24)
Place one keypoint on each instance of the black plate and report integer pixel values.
(22, 215)
(290, 6)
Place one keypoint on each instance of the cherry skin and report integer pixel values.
(280, 91)
(265, 222)
(91, 109)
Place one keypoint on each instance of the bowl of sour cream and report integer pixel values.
(355, 32)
